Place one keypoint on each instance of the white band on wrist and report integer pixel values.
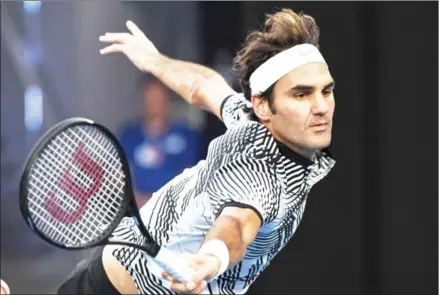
(219, 249)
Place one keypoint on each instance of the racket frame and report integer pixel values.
(129, 209)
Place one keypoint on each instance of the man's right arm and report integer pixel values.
(197, 84)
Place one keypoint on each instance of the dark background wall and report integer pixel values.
(371, 226)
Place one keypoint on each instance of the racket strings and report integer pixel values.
(76, 208)
(62, 200)
(65, 201)
(69, 204)
(83, 178)
(79, 177)
(96, 146)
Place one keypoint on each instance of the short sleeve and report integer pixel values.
(245, 182)
(235, 110)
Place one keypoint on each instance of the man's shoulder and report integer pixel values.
(249, 148)
(252, 138)
(248, 130)
(236, 110)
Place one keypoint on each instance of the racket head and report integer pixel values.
(33, 204)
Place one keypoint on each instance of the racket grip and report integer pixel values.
(172, 263)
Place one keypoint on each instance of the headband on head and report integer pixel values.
(281, 64)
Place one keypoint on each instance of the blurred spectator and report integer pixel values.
(157, 147)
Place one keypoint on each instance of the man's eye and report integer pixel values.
(327, 92)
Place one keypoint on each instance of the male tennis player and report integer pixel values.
(233, 212)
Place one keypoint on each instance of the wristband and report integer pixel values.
(219, 249)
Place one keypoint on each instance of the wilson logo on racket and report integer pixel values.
(70, 186)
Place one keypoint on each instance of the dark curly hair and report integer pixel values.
(282, 30)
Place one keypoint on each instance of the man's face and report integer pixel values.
(155, 100)
(303, 108)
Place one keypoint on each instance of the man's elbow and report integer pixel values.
(246, 221)
(208, 90)
(240, 252)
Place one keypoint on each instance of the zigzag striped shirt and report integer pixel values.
(244, 167)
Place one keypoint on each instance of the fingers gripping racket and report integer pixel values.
(76, 188)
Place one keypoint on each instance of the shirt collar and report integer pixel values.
(292, 155)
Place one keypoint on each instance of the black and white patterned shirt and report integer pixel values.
(244, 167)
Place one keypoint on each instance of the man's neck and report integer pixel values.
(307, 153)
(303, 152)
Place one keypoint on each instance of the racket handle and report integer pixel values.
(172, 263)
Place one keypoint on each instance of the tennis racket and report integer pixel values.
(76, 188)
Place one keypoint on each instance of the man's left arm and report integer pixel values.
(224, 246)
(242, 201)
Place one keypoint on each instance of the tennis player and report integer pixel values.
(234, 211)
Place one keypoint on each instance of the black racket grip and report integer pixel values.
(172, 263)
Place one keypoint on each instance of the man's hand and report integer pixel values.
(196, 84)
(136, 46)
(205, 267)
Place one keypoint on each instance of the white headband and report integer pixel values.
(281, 64)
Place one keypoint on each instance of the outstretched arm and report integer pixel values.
(236, 228)
(224, 246)
(197, 84)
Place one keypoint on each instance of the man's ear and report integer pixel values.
(261, 107)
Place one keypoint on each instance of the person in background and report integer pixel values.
(157, 147)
